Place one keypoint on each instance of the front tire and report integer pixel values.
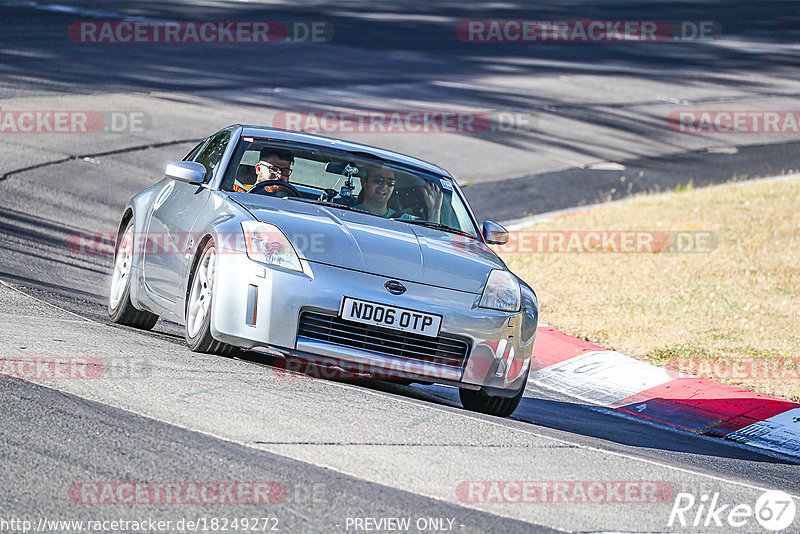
(199, 306)
(120, 308)
(476, 401)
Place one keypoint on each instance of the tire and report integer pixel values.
(476, 401)
(199, 306)
(120, 308)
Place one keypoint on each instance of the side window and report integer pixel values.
(457, 211)
(190, 156)
(212, 152)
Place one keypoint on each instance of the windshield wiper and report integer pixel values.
(330, 204)
(437, 226)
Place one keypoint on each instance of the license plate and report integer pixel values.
(402, 319)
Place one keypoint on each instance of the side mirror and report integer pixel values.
(494, 234)
(190, 172)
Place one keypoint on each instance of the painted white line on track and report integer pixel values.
(14, 288)
(39, 318)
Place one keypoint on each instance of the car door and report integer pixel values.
(177, 206)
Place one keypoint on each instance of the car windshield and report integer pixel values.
(358, 182)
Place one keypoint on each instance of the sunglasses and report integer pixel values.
(381, 180)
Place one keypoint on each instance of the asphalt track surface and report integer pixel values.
(358, 449)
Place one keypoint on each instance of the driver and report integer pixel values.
(273, 164)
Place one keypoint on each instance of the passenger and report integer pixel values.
(377, 188)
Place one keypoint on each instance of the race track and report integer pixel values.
(361, 450)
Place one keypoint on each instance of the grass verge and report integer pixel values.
(728, 310)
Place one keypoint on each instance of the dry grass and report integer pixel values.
(732, 314)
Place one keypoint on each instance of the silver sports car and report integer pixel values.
(331, 252)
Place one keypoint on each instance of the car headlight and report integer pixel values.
(267, 244)
(501, 292)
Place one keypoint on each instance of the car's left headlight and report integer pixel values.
(501, 292)
(267, 244)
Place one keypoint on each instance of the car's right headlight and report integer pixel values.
(501, 292)
(267, 244)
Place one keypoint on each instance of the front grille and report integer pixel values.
(445, 350)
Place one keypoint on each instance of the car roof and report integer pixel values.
(339, 144)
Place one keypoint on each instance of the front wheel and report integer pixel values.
(198, 306)
(476, 401)
(120, 308)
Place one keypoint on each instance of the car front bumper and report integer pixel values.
(257, 305)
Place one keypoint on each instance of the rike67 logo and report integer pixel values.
(774, 510)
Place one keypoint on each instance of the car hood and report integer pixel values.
(384, 247)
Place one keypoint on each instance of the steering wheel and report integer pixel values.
(260, 187)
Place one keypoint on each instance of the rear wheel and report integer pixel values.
(199, 309)
(120, 308)
(476, 401)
